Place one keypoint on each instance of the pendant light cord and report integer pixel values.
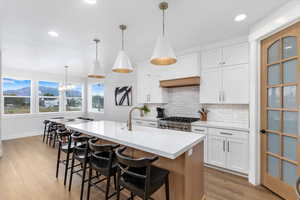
(96, 51)
(163, 24)
(122, 39)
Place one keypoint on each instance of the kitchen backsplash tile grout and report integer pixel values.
(184, 101)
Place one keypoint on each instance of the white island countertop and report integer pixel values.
(161, 142)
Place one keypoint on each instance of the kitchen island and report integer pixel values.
(179, 152)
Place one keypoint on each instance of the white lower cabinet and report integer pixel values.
(216, 151)
(237, 155)
(202, 130)
(228, 149)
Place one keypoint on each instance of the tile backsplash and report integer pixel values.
(228, 113)
(184, 101)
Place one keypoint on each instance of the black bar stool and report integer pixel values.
(103, 161)
(50, 132)
(66, 146)
(139, 176)
(81, 154)
(46, 125)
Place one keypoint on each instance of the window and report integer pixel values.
(48, 96)
(17, 96)
(97, 101)
(74, 98)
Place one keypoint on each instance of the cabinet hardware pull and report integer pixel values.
(152, 124)
(219, 96)
(223, 145)
(227, 146)
(201, 130)
(223, 133)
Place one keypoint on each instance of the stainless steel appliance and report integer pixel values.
(177, 123)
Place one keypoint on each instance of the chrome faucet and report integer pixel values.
(129, 122)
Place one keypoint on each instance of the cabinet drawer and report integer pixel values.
(197, 129)
(151, 124)
(145, 123)
(228, 133)
(138, 122)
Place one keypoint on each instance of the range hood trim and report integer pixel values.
(180, 82)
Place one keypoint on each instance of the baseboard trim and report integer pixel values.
(226, 170)
(17, 136)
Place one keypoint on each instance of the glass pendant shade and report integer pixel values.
(122, 63)
(97, 70)
(163, 53)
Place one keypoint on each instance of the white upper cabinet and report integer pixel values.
(210, 84)
(148, 77)
(224, 75)
(235, 55)
(235, 84)
(211, 58)
(186, 66)
(148, 90)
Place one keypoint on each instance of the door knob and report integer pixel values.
(263, 131)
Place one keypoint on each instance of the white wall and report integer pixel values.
(112, 112)
(276, 21)
(24, 125)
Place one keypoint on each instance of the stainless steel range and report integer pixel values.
(177, 123)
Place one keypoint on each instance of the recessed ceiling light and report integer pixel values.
(53, 34)
(91, 1)
(240, 17)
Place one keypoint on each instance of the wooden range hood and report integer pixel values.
(180, 82)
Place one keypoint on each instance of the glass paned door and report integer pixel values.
(279, 111)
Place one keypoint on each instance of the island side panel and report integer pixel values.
(194, 173)
(176, 177)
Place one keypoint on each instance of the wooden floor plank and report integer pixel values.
(27, 172)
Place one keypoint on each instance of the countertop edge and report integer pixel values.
(142, 148)
(221, 127)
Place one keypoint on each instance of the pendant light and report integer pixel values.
(66, 86)
(122, 63)
(163, 53)
(97, 70)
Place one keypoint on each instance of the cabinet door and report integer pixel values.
(235, 54)
(186, 66)
(202, 130)
(235, 84)
(210, 85)
(156, 93)
(217, 151)
(211, 58)
(237, 155)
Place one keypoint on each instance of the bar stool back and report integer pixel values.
(139, 176)
(65, 146)
(103, 161)
(81, 154)
(46, 125)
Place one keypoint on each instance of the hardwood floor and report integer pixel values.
(27, 172)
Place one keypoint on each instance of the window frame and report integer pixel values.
(65, 101)
(59, 97)
(90, 96)
(3, 96)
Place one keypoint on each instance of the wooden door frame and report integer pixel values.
(265, 178)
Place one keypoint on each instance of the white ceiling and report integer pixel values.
(190, 23)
